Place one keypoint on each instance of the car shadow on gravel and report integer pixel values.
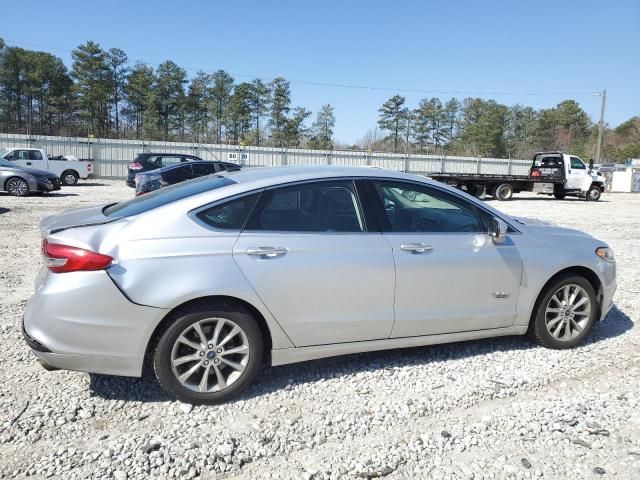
(272, 379)
(4, 210)
(90, 184)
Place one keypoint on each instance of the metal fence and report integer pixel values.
(110, 157)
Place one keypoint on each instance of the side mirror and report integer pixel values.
(498, 230)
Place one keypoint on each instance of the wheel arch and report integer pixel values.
(204, 302)
(585, 272)
(4, 185)
(70, 170)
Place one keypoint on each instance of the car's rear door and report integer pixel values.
(323, 272)
(450, 276)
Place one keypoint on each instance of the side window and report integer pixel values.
(577, 164)
(11, 156)
(156, 160)
(312, 207)
(21, 155)
(35, 155)
(171, 160)
(415, 208)
(200, 169)
(230, 215)
(178, 174)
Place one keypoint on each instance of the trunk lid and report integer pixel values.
(81, 217)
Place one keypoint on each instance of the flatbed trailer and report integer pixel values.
(552, 173)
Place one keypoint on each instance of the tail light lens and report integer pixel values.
(535, 173)
(135, 166)
(89, 167)
(64, 258)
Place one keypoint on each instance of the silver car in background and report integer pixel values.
(207, 279)
(21, 181)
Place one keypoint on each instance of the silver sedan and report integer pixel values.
(207, 279)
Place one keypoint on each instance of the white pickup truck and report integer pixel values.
(68, 171)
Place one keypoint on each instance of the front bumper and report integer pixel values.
(81, 321)
(48, 185)
(607, 274)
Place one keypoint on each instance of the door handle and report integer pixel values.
(28, 163)
(416, 247)
(267, 252)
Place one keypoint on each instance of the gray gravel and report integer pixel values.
(497, 408)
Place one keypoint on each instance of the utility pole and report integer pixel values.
(603, 97)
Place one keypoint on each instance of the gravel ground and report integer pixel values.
(498, 408)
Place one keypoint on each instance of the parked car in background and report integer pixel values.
(20, 182)
(170, 175)
(67, 171)
(151, 161)
(208, 278)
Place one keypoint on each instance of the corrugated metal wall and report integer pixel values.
(110, 157)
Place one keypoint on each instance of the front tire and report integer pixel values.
(565, 313)
(208, 354)
(593, 194)
(69, 178)
(17, 187)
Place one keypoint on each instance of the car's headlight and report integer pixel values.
(605, 253)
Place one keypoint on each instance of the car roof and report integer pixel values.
(182, 164)
(169, 154)
(261, 177)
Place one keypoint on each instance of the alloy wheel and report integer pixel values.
(17, 187)
(210, 355)
(568, 312)
(69, 179)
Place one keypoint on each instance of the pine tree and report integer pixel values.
(170, 96)
(391, 115)
(92, 85)
(258, 104)
(280, 106)
(322, 129)
(117, 61)
(138, 93)
(220, 96)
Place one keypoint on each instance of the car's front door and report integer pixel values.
(28, 159)
(450, 276)
(576, 173)
(308, 254)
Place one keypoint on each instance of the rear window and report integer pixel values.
(163, 196)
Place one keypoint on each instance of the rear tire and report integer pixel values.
(228, 356)
(504, 192)
(593, 194)
(564, 313)
(558, 192)
(69, 178)
(17, 187)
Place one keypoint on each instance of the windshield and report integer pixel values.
(166, 195)
(6, 163)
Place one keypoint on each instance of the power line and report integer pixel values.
(351, 86)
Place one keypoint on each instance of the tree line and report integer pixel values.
(474, 126)
(104, 95)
